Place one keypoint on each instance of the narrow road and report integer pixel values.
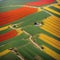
(34, 43)
(17, 54)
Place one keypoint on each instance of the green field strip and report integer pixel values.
(18, 2)
(50, 35)
(56, 5)
(9, 56)
(35, 18)
(51, 10)
(14, 43)
(7, 8)
(54, 8)
(25, 54)
(55, 14)
(33, 29)
(29, 52)
(40, 42)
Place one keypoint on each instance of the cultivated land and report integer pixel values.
(30, 31)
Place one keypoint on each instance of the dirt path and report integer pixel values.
(32, 41)
(17, 54)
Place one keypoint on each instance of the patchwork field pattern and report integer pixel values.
(30, 30)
